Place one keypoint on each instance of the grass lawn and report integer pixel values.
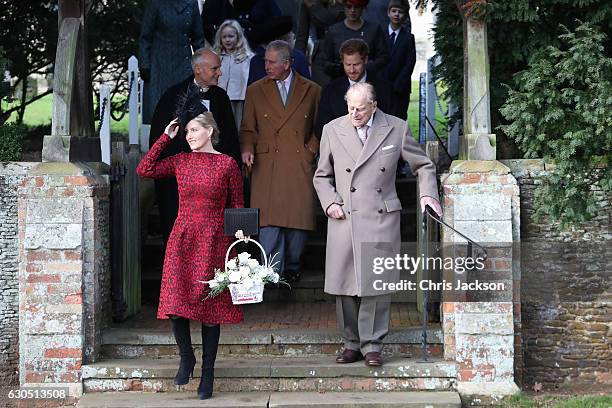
(39, 113)
(413, 113)
(557, 401)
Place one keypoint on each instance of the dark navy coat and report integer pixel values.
(170, 29)
(399, 69)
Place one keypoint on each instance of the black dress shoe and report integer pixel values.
(373, 359)
(349, 356)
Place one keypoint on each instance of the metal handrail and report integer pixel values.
(429, 213)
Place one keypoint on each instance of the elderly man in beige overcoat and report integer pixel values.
(278, 144)
(355, 182)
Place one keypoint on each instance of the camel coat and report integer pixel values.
(284, 145)
(362, 180)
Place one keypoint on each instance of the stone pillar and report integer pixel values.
(481, 200)
(64, 277)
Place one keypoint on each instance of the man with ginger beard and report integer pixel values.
(354, 56)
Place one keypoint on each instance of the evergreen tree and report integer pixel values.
(559, 110)
(516, 30)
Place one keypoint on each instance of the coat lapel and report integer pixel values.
(380, 131)
(295, 97)
(273, 96)
(347, 134)
(297, 94)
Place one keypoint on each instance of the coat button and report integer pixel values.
(382, 169)
(380, 211)
(348, 170)
(353, 189)
(349, 212)
(378, 190)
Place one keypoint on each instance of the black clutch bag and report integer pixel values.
(245, 219)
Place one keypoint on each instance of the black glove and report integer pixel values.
(145, 74)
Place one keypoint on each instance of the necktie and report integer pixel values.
(283, 92)
(362, 132)
(391, 40)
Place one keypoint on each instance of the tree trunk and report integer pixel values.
(24, 90)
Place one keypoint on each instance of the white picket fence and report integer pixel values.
(138, 132)
(125, 193)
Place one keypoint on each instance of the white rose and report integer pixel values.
(213, 283)
(234, 276)
(245, 271)
(274, 277)
(252, 263)
(231, 264)
(248, 283)
(243, 257)
(220, 277)
(262, 273)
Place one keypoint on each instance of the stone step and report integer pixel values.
(440, 399)
(147, 343)
(314, 373)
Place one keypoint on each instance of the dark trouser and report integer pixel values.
(401, 102)
(288, 243)
(364, 321)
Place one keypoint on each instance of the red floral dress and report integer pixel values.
(207, 184)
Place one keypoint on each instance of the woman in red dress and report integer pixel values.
(208, 182)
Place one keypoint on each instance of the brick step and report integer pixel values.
(440, 399)
(129, 343)
(314, 373)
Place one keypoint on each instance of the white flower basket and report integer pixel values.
(241, 294)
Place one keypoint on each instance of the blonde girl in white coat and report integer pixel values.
(233, 49)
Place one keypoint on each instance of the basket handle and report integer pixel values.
(263, 252)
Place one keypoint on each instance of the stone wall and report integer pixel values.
(11, 175)
(566, 297)
(64, 281)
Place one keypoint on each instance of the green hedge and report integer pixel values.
(11, 142)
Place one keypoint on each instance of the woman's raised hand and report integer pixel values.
(172, 128)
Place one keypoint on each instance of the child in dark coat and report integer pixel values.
(402, 53)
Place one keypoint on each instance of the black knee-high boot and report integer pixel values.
(210, 340)
(182, 335)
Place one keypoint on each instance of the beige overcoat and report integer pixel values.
(284, 145)
(362, 180)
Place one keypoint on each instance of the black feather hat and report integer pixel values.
(189, 106)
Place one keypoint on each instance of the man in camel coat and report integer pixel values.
(278, 144)
(355, 182)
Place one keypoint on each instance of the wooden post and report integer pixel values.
(478, 142)
(105, 135)
(145, 128)
(430, 106)
(133, 77)
(422, 108)
(73, 135)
